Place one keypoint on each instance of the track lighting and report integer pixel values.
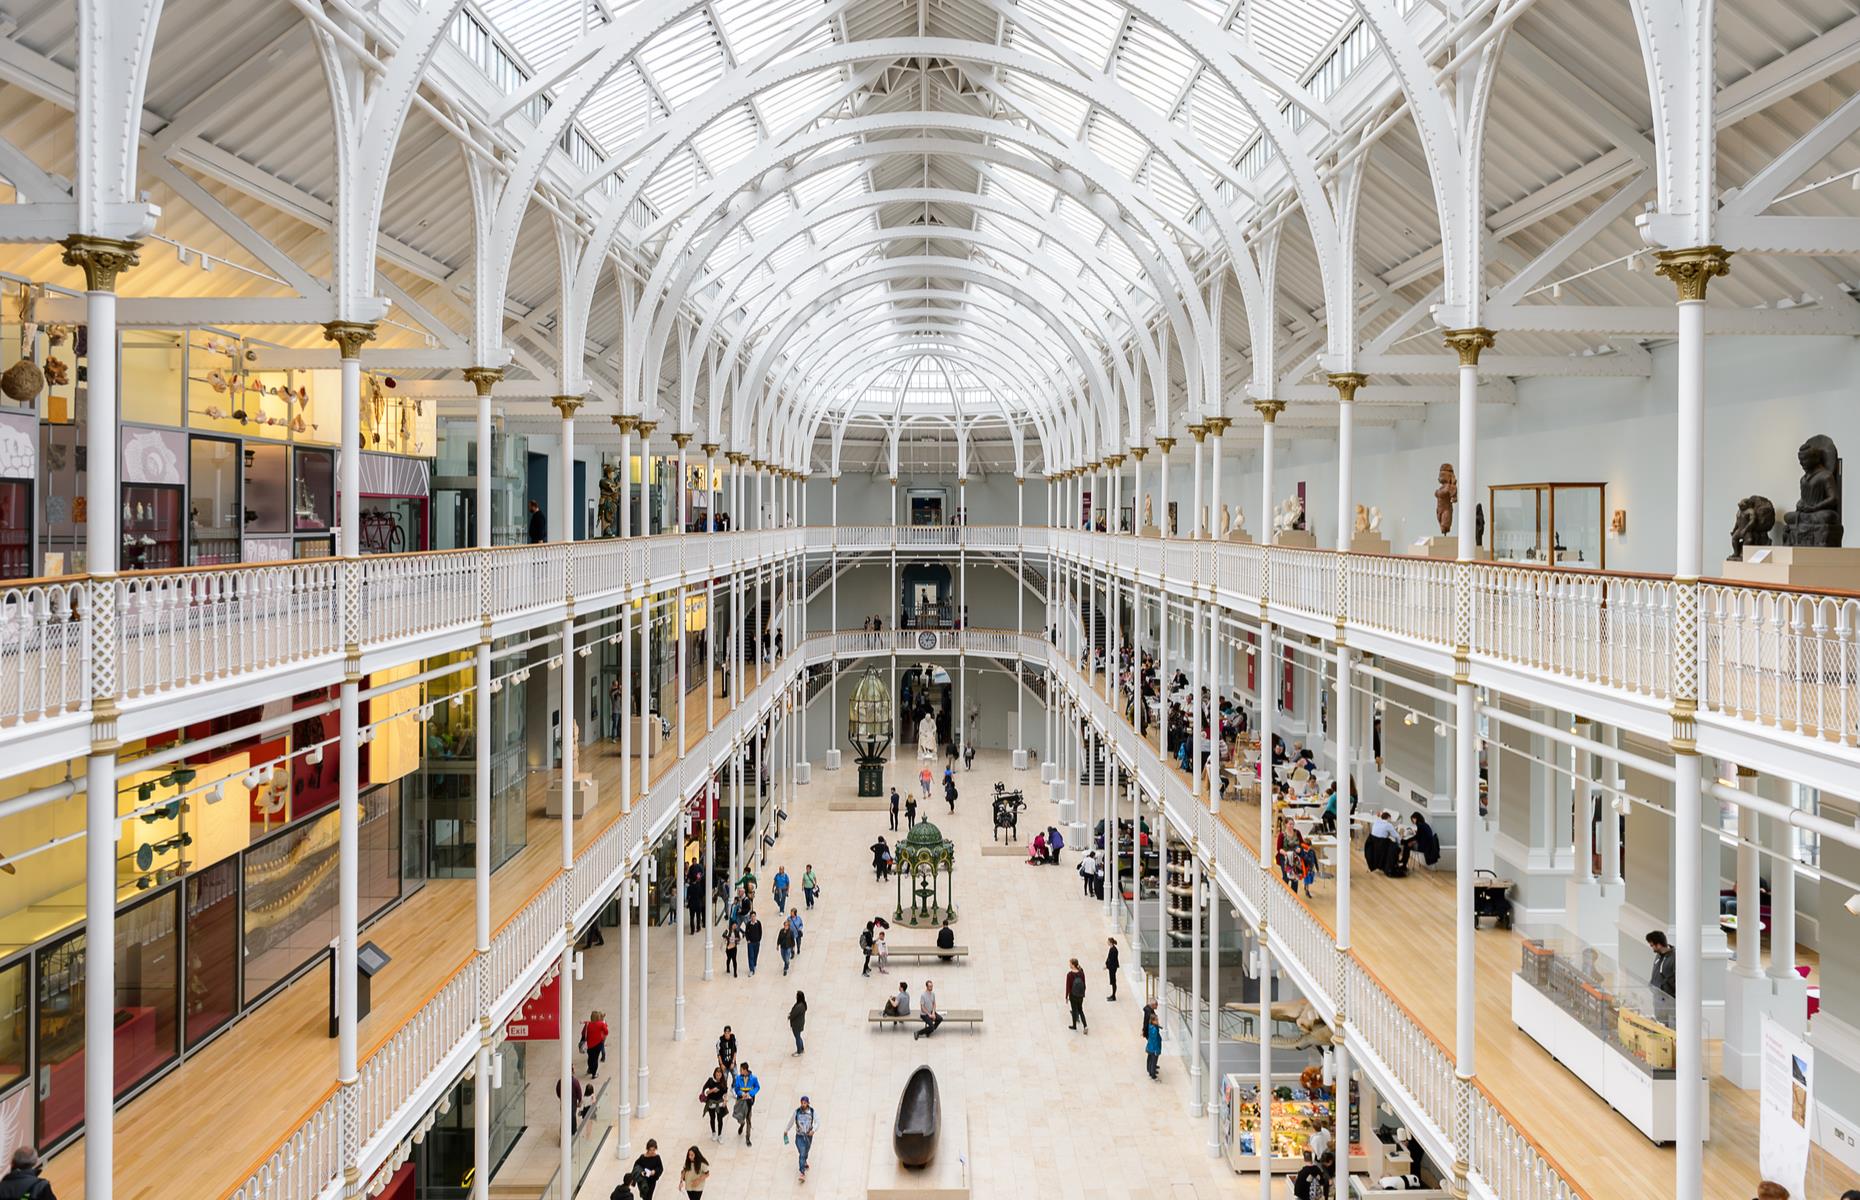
(1408, 719)
(1853, 904)
(254, 778)
(458, 699)
(1440, 730)
(426, 711)
(315, 756)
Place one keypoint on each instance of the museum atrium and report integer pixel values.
(570, 491)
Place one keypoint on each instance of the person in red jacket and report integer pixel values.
(594, 1041)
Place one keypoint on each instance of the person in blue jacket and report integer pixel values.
(747, 1085)
(1152, 1046)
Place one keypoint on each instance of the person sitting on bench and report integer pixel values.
(927, 1008)
(946, 940)
(900, 1004)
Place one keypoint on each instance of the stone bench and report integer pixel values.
(923, 952)
(951, 1016)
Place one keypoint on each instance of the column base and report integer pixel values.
(803, 772)
(678, 1020)
(833, 760)
(1048, 771)
(1020, 760)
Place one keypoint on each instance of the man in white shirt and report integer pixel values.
(932, 1018)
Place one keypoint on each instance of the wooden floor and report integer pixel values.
(279, 1061)
(1403, 931)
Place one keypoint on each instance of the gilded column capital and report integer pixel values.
(646, 428)
(1114, 461)
(1269, 410)
(681, 440)
(894, 480)
(758, 464)
(483, 379)
(1137, 452)
(1692, 269)
(1165, 444)
(626, 424)
(710, 449)
(1468, 342)
(349, 335)
(1346, 383)
(834, 480)
(566, 405)
(1199, 430)
(1218, 425)
(102, 259)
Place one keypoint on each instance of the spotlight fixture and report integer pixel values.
(1440, 730)
(315, 756)
(458, 699)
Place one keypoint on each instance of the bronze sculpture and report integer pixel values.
(1756, 516)
(1816, 518)
(915, 1129)
(1445, 496)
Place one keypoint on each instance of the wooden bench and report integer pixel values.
(921, 952)
(951, 1016)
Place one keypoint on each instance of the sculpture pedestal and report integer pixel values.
(947, 1176)
(1239, 534)
(584, 796)
(1149, 531)
(1369, 543)
(1445, 546)
(1809, 567)
(1299, 539)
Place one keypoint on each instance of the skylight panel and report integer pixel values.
(847, 179)
(685, 60)
(618, 110)
(673, 181)
(1074, 217)
(1056, 105)
(1117, 253)
(797, 100)
(791, 252)
(1087, 27)
(1154, 67)
(836, 229)
(728, 140)
(756, 26)
(1018, 185)
(1291, 34)
(1116, 143)
(1216, 118)
(1170, 189)
(539, 30)
(767, 215)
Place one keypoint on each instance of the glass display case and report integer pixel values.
(214, 507)
(313, 491)
(1553, 524)
(151, 527)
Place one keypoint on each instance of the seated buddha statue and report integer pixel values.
(1816, 518)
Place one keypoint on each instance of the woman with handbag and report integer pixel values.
(714, 1096)
(594, 1041)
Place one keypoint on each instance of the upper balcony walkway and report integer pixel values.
(1402, 934)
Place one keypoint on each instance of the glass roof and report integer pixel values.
(1010, 208)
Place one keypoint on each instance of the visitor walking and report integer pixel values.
(1075, 995)
(23, 1181)
(1152, 1049)
(805, 1123)
(694, 901)
(949, 791)
(881, 855)
(732, 938)
(784, 943)
(1110, 967)
(747, 1085)
(752, 935)
(797, 1021)
(810, 883)
(879, 951)
(726, 1051)
(894, 808)
(781, 888)
(794, 927)
(647, 1169)
(695, 1174)
(923, 782)
(866, 943)
(715, 1096)
(910, 812)
(594, 1041)
(968, 757)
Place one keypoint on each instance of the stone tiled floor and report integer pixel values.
(1053, 1113)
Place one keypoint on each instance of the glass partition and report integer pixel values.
(1552, 524)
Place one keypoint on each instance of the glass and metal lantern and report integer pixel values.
(868, 730)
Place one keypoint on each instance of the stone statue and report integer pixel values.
(1375, 519)
(1816, 518)
(915, 1129)
(1756, 516)
(1362, 521)
(1225, 518)
(1445, 496)
(1478, 524)
(1239, 518)
(609, 510)
(1149, 516)
(926, 738)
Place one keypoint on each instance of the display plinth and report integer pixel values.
(1445, 546)
(947, 1176)
(1813, 567)
(584, 796)
(1239, 534)
(871, 776)
(1298, 539)
(1149, 531)
(1369, 543)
